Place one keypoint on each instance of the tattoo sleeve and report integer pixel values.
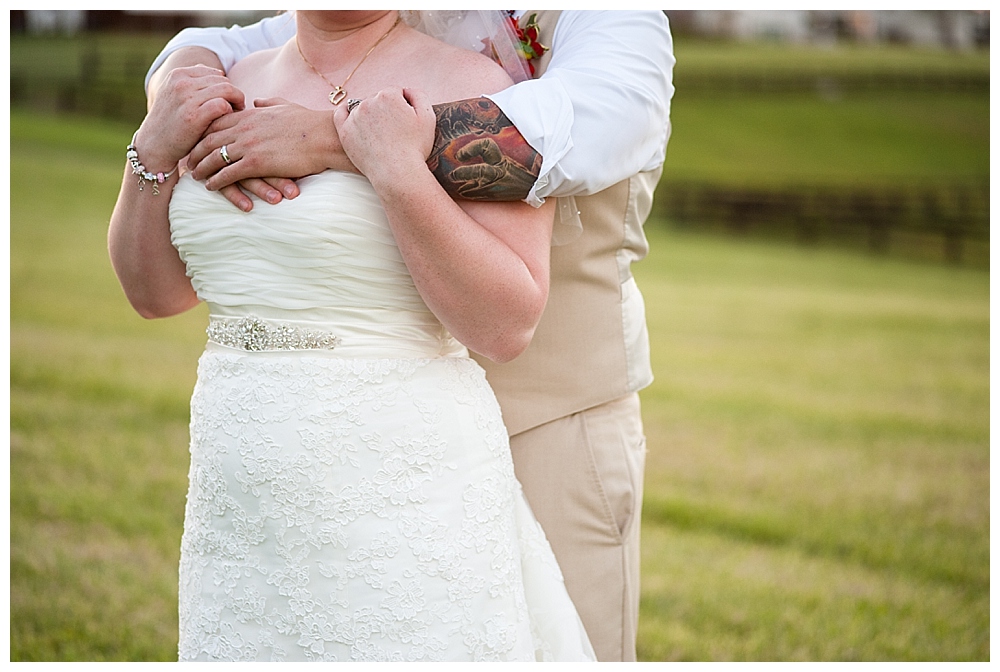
(479, 155)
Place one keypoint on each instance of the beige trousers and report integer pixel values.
(582, 475)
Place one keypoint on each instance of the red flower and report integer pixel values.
(527, 37)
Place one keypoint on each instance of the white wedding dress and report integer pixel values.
(352, 495)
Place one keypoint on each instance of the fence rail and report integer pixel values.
(765, 81)
(952, 220)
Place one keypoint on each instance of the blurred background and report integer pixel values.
(817, 291)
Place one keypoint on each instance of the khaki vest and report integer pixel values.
(591, 345)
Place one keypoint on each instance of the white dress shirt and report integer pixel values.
(599, 114)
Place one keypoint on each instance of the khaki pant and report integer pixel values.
(582, 475)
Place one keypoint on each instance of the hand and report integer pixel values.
(188, 101)
(274, 138)
(388, 135)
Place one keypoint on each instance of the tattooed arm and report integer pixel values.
(479, 155)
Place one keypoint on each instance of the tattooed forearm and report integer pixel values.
(479, 155)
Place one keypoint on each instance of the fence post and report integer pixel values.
(955, 224)
(90, 64)
(809, 218)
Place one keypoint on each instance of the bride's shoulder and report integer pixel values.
(456, 73)
(250, 68)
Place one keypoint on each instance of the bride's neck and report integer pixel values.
(337, 34)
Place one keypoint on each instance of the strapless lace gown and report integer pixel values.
(353, 500)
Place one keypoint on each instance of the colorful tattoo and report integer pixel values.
(479, 155)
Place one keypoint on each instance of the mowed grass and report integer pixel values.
(818, 474)
(826, 137)
(874, 139)
(700, 57)
(98, 415)
(817, 483)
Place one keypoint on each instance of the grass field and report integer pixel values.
(701, 57)
(818, 475)
(802, 139)
(844, 138)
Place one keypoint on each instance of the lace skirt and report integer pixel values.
(360, 510)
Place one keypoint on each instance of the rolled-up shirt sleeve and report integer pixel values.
(601, 111)
(231, 44)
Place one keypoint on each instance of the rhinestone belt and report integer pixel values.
(255, 335)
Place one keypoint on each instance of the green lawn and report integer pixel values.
(98, 415)
(803, 139)
(700, 57)
(115, 55)
(818, 475)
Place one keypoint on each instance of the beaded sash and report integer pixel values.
(253, 334)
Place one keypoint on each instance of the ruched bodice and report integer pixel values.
(327, 257)
(329, 248)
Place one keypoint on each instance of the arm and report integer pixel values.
(147, 265)
(227, 45)
(478, 154)
(483, 269)
(179, 59)
(601, 111)
(222, 48)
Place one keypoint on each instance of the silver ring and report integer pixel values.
(225, 154)
(351, 104)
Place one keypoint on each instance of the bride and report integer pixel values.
(351, 492)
